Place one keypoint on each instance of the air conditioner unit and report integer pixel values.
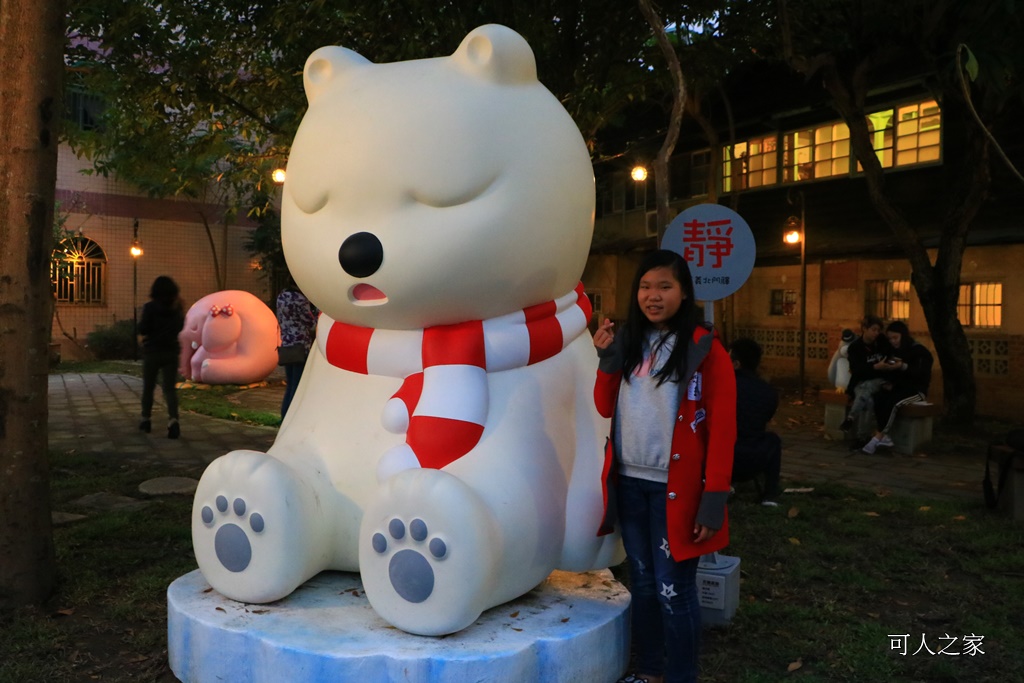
(652, 223)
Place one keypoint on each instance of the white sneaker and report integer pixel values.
(870, 446)
(885, 441)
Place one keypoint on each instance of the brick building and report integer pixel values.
(95, 286)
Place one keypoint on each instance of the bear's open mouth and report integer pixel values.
(366, 295)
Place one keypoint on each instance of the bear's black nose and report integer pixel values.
(361, 254)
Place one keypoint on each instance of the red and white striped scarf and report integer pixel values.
(443, 402)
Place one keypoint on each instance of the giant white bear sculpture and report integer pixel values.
(443, 441)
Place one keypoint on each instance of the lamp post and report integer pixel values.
(796, 232)
(136, 252)
(639, 175)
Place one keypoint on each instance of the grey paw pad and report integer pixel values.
(231, 541)
(410, 570)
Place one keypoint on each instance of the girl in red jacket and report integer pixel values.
(670, 388)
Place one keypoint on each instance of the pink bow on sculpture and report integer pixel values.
(227, 310)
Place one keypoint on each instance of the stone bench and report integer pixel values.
(911, 430)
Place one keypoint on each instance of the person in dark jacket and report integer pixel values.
(757, 450)
(864, 354)
(163, 316)
(908, 373)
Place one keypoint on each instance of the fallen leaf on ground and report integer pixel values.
(793, 512)
(802, 489)
(514, 614)
(793, 666)
(67, 612)
(794, 541)
(874, 615)
(925, 508)
(871, 514)
(960, 518)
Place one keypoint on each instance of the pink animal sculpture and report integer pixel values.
(230, 337)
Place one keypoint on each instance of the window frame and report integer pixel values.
(972, 306)
(883, 298)
(78, 272)
(782, 302)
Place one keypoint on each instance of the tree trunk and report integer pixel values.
(937, 285)
(662, 179)
(31, 51)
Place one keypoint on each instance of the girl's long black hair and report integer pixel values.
(906, 341)
(682, 323)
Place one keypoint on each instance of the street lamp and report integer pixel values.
(796, 232)
(136, 252)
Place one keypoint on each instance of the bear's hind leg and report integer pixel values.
(259, 529)
(428, 553)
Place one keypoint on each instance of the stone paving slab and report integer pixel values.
(99, 413)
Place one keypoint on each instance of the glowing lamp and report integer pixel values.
(639, 173)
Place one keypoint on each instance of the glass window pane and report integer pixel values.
(929, 138)
(823, 134)
(905, 158)
(906, 142)
(928, 154)
(770, 177)
(906, 127)
(930, 123)
(841, 166)
(908, 112)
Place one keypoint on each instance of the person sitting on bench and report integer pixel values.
(864, 355)
(757, 451)
(908, 373)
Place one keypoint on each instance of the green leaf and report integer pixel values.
(971, 67)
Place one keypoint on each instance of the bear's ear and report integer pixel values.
(498, 54)
(324, 66)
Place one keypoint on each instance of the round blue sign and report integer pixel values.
(718, 246)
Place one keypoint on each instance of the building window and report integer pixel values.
(819, 152)
(783, 302)
(750, 164)
(906, 135)
(82, 109)
(78, 271)
(980, 304)
(887, 299)
(700, 164)
(917, 133)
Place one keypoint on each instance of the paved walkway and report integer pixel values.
(99, 413)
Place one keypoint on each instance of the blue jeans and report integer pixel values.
(665, 616)
(292, 375)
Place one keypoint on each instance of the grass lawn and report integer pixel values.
(831, 575)
(831, 580)
(827, 578)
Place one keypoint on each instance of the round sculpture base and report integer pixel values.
(572, 628)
